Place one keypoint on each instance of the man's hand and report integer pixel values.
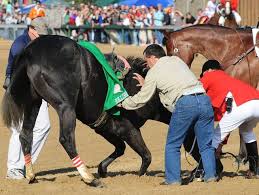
(139, 78)
(6, 82)
(119, 105)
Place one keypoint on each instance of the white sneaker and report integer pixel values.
(15, 174)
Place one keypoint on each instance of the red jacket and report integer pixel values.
(217, 84)
(234, 4)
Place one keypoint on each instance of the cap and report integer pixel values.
(210, 64)
(40, 25)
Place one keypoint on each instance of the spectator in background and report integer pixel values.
(9, 8)
(158, 22)
(210, 8)
(37, 11)
(233, 6)
(178, 18)
(167, 16)
(201, 18)
(189, 20)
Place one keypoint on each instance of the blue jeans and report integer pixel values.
(190, 111)
(159, 36)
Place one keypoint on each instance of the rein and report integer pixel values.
(243, 55)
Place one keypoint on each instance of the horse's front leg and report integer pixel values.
(135, 140)
(26, 137)
(119, 150)
(67, 118)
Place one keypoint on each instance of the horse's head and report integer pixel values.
(225, 10)
(154, 108)
(177, 45)
(118, 63)
(169, 43)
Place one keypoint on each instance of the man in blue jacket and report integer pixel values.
(15, 162)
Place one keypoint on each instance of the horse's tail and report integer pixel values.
(16, 94)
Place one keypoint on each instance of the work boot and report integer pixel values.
(7, 82)
(252, 156)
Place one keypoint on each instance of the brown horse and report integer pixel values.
(222, 10)
(232, 48)
(229, 20)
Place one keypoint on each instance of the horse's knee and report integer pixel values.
(121, 149)
(147, 157)
(62, 140)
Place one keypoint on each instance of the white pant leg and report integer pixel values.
(244, 113)
(237, 17)
(246, 130)
(40, 132)
(15, 159)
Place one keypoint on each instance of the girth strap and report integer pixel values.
(102, 119)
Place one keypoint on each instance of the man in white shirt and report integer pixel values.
(182, 94)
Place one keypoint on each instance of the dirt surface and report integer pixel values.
(57, 176)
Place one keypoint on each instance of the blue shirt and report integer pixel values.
(158, 18)
(19, 43)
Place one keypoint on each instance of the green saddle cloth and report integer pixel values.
(116, 92)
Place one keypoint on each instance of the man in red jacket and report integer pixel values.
(236, 105)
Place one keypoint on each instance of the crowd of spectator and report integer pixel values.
(9, 13)
(130, 21)
(132, 18)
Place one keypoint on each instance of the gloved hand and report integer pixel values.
(7, 82)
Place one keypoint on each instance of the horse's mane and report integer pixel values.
(214, 28)
(137, 65)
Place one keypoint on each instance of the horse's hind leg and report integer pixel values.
(26, 136)
(119, 151)
(67, 119)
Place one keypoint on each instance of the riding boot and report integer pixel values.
(219, 167)
(252, 156)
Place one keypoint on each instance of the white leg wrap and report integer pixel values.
(84, 172)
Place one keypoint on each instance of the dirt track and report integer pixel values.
(57, 176)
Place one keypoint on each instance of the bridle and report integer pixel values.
(244, 55)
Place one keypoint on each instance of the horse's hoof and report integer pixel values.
(33, 180)
(102, 172)
(96, 183)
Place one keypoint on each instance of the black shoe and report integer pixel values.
(219, 167)
(164, 183)
(197, 175)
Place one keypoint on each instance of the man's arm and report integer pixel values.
(143, 96)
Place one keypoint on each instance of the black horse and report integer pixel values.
(69, 77)
(72, 81)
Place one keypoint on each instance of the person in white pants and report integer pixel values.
(16, 162)
(236, 105)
